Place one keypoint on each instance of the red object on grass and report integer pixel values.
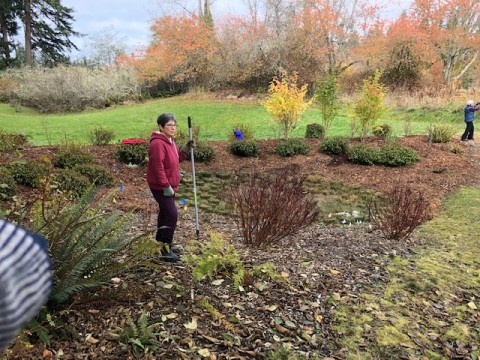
(133, 141)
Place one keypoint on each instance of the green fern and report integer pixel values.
(215, 257)
(140, 337)
(86, 241)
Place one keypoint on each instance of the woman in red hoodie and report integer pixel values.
(163, 177)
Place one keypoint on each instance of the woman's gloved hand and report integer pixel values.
(188, 146)
(168, 192)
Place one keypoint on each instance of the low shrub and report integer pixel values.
(397, 155)
(315, 131)
(70, 156)
(27, 172)
(8, 187)
(292, 147)
(334, 146)
(382, 131)
(101, 136)
(399, 212)
(245, 148)
(440, 133)
(363, 154)
(215, 257)
(246, 130)
(131, 153)
(203, 152)
(10, 142)
(270, 208)
(71, 181)
(96, 174)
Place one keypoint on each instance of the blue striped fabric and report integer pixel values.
(25, 279)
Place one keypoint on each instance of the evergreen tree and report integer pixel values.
(47, 28)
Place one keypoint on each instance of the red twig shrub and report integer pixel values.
(399, 212)
(271, 207)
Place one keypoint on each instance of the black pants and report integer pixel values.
(167, 216)
(468, 134)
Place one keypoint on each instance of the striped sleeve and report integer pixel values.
(25, 279)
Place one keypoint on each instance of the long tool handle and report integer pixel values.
(197, 224)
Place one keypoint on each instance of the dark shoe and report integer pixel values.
(177, 249)
(169, 256)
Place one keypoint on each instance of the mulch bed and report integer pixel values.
(318, 264)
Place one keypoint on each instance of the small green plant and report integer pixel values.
(96, 174)
(203, 152)
(101, 136)
(267, 271)
(246, 130)
(315, 131)
(292, 147)
(8, 186)
(363, 154)
(71, 181)
(245, 148)
(327, 99)
(368, 108)
(71, 155)
(140, 337)
(10, 142)
(27, 172)
(134, 154)
(397, 155)
(334, 146)
(440, 133)
(215, 257)
(457, 150)
(382, 131)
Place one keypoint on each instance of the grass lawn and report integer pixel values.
(444, 274)
(216, 119)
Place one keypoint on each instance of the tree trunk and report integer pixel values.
(3, 27)
(28, 33)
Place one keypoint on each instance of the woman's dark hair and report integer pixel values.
(164, 118)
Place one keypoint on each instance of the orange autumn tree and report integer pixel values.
(402, 50)
(182, 50)
(453, 29)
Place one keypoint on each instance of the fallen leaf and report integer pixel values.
(319, 318)
(218, 282)
(204, 353)
(171, 316)
(91, 340)
(472, 305)
(191, 325)
(272, 308)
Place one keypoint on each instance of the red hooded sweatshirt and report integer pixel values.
(163, 169)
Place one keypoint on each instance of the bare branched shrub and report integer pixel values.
(271, 207)
(398, 213)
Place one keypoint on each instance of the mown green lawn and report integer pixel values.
(430, 307)
(215, 118)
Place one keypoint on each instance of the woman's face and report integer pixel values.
(170, 128)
